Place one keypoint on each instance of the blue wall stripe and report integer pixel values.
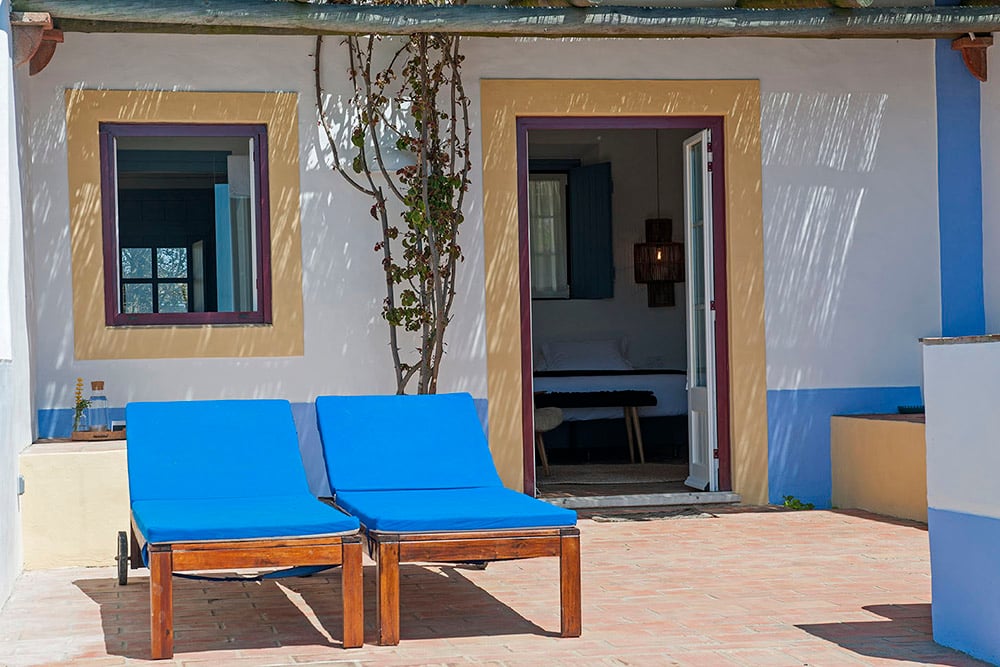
(59, 423)
(965, 582)
(960, 194)
(798, 425)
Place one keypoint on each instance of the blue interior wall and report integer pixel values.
(798, 424)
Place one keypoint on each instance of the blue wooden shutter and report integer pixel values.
(591, 259)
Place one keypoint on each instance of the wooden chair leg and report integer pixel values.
(161, 601)
(637, 429)
(135, 551)
(387, 590)
(353, 592)
(628, 431)
(569, 582)
(540, 446)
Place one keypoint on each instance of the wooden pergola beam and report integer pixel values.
(34, 39)
(255, 17)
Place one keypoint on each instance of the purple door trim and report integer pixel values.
(694, 123)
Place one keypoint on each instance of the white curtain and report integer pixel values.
(547, 234)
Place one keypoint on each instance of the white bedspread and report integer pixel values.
(670, 391)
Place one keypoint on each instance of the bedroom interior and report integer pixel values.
(604, 328)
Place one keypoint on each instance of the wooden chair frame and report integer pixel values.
(167, 558)
(391, 549)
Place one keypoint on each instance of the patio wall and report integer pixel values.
(880, 465)
(963, 497)
(15, 381)
(849, 181)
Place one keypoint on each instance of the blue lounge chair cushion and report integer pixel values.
(386, 443)
(449, 510)
(213, 449)
(199, 519)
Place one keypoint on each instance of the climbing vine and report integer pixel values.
(413, 104)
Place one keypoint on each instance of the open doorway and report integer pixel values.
(625, 309)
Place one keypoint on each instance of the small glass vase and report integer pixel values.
(81, 423)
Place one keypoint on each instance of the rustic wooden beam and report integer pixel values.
(973, 48)
(43, 56)
(269, 17)
(28, 29)
(34, 39)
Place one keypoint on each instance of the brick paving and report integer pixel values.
(752, 587)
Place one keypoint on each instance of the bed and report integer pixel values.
(669, 387)
(600, 366)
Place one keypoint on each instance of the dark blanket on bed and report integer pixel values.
(633, 371)
(594, 399)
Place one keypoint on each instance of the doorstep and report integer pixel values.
(647, 499)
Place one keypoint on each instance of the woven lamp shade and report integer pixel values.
(659, 262)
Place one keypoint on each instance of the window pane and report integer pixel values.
(700, 358)
(696, 194)
(171, 263)
(698, 263)
(138, 298)
(547, 234)
(178, 193)
(173, 297)
(137, 262)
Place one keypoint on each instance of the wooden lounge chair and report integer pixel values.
(417, 472)
(218, 485)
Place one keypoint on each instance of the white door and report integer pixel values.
(702, 437)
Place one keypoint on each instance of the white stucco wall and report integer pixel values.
(850, 182)
(15, 377)
(990, 138)
(849, 203)
(961, 391)
(345, 337)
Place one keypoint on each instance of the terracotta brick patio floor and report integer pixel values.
(735, 587)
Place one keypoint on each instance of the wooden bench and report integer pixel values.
(630, 401)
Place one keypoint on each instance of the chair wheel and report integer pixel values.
(122, 558)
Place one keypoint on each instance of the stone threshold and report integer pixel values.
(647, 499)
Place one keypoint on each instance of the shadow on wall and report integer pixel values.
(824, 279)
(810, 228)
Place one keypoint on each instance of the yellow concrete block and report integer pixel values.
(75, 501)
(879, 465)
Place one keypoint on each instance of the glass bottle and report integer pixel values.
(81, 423)
(98, 413)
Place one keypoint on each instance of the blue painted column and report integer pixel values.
(960, 193)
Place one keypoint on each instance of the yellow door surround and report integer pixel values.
(503, 101)
(92, 338)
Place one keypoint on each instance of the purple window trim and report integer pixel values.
(695, 124)
(113, 317)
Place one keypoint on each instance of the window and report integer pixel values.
(547, 231)
(570, 230)
(186, 232)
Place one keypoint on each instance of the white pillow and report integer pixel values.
(538, 361)
(590, 355)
